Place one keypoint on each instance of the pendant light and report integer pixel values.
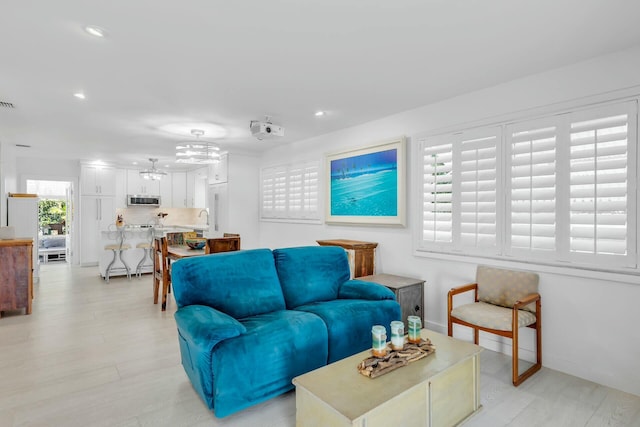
(197, 152)
(152, 174)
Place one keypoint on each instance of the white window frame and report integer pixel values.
(561, 257)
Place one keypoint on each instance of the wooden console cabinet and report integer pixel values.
(361, 255)
(409, 293)
(16, 274)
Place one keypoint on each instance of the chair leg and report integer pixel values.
(519, 379)
(476, 336)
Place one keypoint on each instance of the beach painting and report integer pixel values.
(367, 185)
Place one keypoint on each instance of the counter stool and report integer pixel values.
(117, 249)
(146, 247)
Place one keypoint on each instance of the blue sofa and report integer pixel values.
(250, 321)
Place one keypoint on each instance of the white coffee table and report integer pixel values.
(443, 389)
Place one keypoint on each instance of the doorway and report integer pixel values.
(55, 219)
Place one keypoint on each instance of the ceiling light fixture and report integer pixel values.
(319, 113)
(152, 174)
(197, 152)
(79, 95)
(95, 31)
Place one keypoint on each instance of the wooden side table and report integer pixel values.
(361, 255)
(409, 293)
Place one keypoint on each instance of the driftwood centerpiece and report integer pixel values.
(373, 366)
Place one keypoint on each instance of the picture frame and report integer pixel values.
(367, 186)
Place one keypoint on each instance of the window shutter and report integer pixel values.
(531, 196)
(476, 185)
(601, 184)
(290, 192)
(437, 221)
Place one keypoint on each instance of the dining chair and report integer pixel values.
(222, 244)
(161, 270)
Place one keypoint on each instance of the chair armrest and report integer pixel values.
(463, 288)
(205, 327)
(359, 289)
(526, 301)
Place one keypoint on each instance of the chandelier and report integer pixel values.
(197, 152)
(152, 174)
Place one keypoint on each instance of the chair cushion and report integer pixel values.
(311, 273)
(240, 284)
(504, 287)
(349, 322)
(492, 316)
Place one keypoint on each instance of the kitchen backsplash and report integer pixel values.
(175, 216)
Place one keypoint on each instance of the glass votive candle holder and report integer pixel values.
(379, 341)
(414, 324)
(397, 335)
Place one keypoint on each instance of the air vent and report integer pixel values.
(23, 145)
(6, 105)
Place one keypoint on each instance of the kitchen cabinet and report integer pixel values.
(197, 187)
(136, 185)
(96, 214)
(121, 188)
(179, 190)
(97, 180)
(16, 278)
(218, 171)
(166, 191)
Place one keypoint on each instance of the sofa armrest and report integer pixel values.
(205, 327)
(359, 289)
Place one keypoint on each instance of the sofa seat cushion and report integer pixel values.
(240, 284)
(492, 316)
(262, 362)
(349, 322)
(311, 273)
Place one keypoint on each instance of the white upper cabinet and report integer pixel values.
(218, 171)
(137, 185)
(97, 180)
(179, 190)
(166, 186)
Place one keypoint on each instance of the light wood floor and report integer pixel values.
(97, 354)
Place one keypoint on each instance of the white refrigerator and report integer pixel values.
(22, 214)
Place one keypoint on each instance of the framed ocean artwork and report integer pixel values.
(367, 185)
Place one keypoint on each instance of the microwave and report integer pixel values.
(135, 200)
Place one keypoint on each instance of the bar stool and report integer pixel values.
(117, 249)
(146, 247)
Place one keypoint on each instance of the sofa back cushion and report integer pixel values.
(240, 284)
(311, 273)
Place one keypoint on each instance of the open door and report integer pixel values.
(69, 220)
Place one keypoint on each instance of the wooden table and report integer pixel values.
(409, 293)
(361, 255)
(443, 389)
(182, 251)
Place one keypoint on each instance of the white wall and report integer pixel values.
(585, 320)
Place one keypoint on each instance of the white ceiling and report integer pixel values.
(167, 66)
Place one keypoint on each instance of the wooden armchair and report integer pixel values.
(505, 300)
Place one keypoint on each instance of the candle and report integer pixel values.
(415, 324)
(397, 335)
(379, 338)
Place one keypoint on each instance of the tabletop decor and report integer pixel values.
(367, 185)
(373, 366)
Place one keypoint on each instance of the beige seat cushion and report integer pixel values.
(115, 247)
(491, 316)
(143, 245)
(504, 287)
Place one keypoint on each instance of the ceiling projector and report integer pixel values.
(262, 130)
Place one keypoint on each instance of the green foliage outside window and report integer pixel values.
(52, 214)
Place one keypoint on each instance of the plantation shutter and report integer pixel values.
(601, 185)
(437, 220)
(532, 193)
(290, 192)
(475, 186)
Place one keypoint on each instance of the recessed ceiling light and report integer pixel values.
(135, 163)
(95, 31)
(319, 113)
(79, 95)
